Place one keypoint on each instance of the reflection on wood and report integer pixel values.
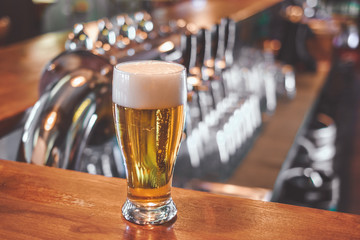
(230, 190)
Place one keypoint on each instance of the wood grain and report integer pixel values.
(48, 203)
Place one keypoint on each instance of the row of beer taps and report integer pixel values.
(118, 32)
(230, 86)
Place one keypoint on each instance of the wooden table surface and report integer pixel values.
(48, 203)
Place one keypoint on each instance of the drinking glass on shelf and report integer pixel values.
(148, 106)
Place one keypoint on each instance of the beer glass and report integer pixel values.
(148, 106)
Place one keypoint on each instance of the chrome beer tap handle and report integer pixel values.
(68, 62)
(106, 37)
(78, 39)
(144, 26)
(185, 48)
(126, 30)
(60, 124)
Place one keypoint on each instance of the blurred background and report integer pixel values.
(28, 18)
(273, 96)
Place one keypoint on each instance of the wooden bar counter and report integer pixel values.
(48, 203)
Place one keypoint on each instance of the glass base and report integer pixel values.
(143, 215)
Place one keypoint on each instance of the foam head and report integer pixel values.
(149, 84)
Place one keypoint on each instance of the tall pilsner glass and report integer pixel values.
(148, 105)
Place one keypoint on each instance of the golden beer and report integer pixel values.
(148, 108)
(150, 140)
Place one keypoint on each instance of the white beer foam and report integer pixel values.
(149, 84)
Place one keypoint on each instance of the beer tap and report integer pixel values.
(201, 88)
(144, 26)
(215, 32)
(222, 119)
(106, 37)
(219, 63)
(230, 38)
(208, 64)
(185, 48)
(224, 56)
(78, 39)
(58, 126)
(228, 58)
(126, 31)
(68, 62)
(187, 59)
(200, 46)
